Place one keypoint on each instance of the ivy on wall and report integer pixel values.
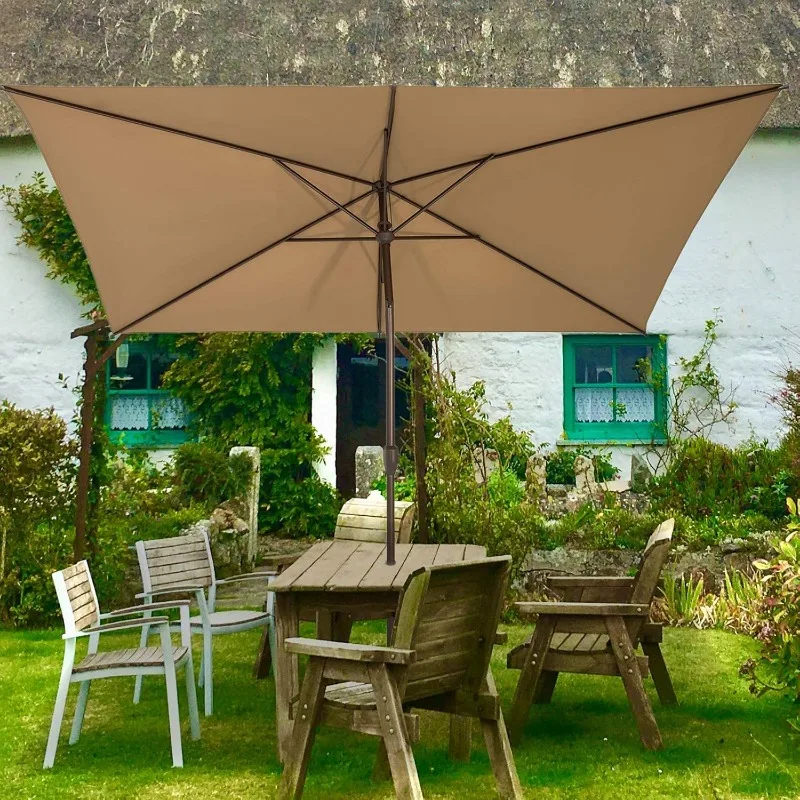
(241, 389)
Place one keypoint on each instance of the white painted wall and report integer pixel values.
(323, 406)
(36, 314)
(742, 259)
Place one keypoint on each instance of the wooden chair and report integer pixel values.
(439, 659)
(184, 565)
(597, 635)
(363, 519)
(82, 617)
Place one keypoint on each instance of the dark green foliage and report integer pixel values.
(707, 479)
(255, 389)
(561, 464)
(206, 473)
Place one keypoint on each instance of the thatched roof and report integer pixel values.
(471, 42)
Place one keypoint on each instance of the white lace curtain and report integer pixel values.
(133, 412)
(596, 404)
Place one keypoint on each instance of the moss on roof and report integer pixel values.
(468, 42)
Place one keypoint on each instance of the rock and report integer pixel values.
(536, 478)
(369, 468)
(641, 474)
(223, 519)
(248, 505)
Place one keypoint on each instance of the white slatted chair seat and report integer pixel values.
(82, 618)
(133, 658)
(184, 565)
(241, 620)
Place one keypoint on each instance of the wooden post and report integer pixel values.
(95, 333)
(86, 435)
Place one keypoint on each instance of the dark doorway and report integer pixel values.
(360, 403)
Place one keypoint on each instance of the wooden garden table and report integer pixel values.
(337, 582)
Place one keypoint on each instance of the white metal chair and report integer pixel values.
(184, 565)
(82, 617)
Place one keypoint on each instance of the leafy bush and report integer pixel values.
(778, 666)
(206, 473)
(705, 478)
(255, 389)
(561, 464)
(37, 464)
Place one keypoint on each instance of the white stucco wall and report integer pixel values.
(323, 406)
(36, 314)
(742, 259)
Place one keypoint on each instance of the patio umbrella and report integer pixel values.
(386, 208)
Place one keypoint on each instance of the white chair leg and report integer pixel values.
(61, 703)
(207, 676)
(200, 679)
(137, 687)
(80, 710)
(172, 698)
(191, 696)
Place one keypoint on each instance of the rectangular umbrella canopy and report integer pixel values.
(361, 209)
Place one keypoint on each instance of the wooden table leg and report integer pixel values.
(287, 681)
(460, 737)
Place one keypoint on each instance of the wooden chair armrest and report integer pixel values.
(586, 609)
(121, 625)
(131, 610)
(170, 590)
(349, 651)
(248, 576)
(588, 581)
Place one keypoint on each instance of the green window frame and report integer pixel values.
(156, 408)
(613, 379)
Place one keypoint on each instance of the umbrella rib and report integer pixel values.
(595, 131)
(240, 263)
(470, 235)
(324, 194)
(387, 133)
(445, 191)
(179, 132)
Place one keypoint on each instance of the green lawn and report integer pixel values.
(719, 743)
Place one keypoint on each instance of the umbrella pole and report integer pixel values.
(390, 450)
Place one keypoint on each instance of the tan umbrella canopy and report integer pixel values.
(368, 208)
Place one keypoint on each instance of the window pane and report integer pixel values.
(593, 365)
(158, 366)
(134, 376)
(634, 363)
(129, 412)
(636, 405)
(594, 405)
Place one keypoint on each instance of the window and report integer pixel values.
(139, 411)
(614, 388)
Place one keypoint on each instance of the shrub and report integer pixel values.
(705, 478)
(561, 464)
(206, 473)
(778, 666)
(37, 464)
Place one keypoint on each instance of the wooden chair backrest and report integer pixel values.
(449, 615)
(652, 562)
(363, 519)
(176, 561)
(76, 597)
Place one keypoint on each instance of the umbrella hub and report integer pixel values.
(384, 237)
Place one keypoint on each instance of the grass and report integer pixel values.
(719, 743)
